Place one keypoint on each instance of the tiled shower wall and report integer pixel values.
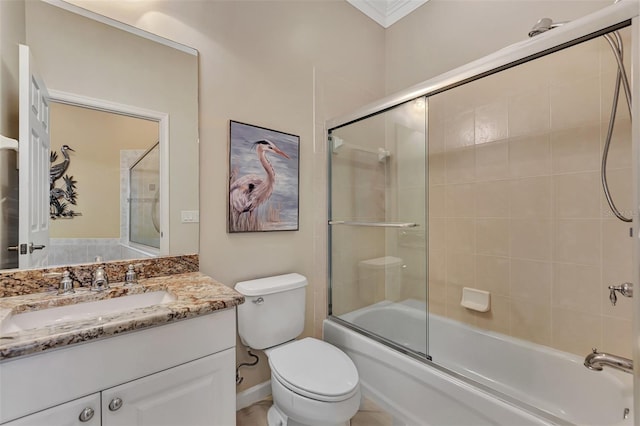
(516, 205)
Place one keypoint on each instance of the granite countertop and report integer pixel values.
(195, 294)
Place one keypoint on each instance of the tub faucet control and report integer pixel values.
(597, 360)
(625, 289)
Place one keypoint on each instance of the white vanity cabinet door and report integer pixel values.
(198, 393)
(67, 414)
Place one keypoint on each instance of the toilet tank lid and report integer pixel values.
(269, 285)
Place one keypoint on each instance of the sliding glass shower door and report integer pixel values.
(378, 226)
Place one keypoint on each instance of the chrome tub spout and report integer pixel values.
(597, 360)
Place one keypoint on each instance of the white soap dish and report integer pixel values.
(476, 300)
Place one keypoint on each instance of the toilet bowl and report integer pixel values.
(313, 383)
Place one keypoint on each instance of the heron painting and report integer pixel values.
(263, 179)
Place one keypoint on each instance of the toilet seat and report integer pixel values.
(314, 369)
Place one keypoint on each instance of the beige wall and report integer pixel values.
(444, 34)
(283, 65)
(109, 64)
(516, 205)
(97, 138)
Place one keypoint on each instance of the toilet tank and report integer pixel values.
(273, 311)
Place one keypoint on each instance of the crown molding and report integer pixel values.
(386, 12)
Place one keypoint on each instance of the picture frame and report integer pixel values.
(264, 179)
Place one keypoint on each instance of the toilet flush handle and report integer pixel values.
(258, 301)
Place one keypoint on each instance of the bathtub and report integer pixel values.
(477, 377)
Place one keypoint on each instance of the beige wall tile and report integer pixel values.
(461, 270)
(437, 234)
(577, 287)
(437, 201)
(460, 200)
(576, 332)
(575, 63)
(575, 104)
(531, 280)
(491, 123)
(576, 149)
(460, 165)
(492, 237)
(616, 336)
(461, 235)
(436, 169)
(492, 275)
(531, 321)
(529, 112)
(498, 318)
(577, 241)
(577, 195)
(492, 199)
(531, 197)
(530, 155)
(617, 245)
(531, 238)
(459, 131)
(492, 161)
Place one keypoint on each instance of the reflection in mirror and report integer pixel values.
(115, 165)
(87, 60)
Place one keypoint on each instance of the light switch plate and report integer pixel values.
(190, 216)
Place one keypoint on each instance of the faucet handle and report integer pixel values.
(130, 277)
(625, 289)
(66, 284)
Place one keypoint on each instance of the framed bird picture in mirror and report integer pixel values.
(264, 176)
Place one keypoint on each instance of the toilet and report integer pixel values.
(312, 382)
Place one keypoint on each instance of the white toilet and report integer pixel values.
(312, 382)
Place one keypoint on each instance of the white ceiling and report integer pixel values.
(386, 12)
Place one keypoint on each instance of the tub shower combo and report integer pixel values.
(481, 234)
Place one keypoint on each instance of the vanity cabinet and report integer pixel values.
(68, 414)
(182, 373)
(187, 395)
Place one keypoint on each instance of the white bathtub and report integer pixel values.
(543, 386)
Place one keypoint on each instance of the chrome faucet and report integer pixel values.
(597, 360)
(100, 280)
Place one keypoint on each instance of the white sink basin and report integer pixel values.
(82, 311)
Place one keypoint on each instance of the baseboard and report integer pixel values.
(253, 395)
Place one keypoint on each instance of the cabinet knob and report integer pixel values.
(115, 404)
(86, 414)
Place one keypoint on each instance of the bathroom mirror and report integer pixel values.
(99, 66)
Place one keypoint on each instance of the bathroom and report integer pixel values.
(292, 66)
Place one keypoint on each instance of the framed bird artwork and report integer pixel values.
(264, 177)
